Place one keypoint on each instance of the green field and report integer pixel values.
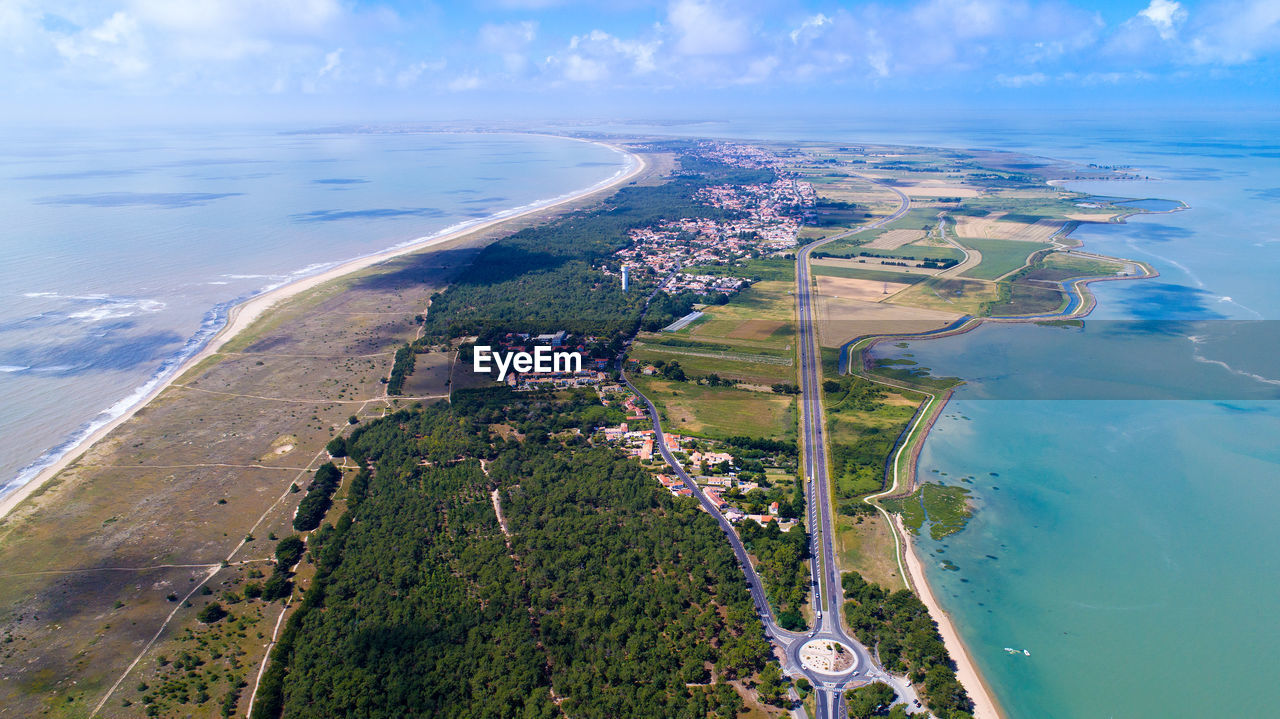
(762, 269)
(1024, 298)
(1061, 266)
(944, 508)
(863, 423)
(999, 257)
(845, 248)
(720, 412)
(762, 369)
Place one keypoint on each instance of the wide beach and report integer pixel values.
(246, 313)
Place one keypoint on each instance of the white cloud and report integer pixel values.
(583, 69)
(462, 83)
(509, 42)
(408, 77)
(1237, 32)
(234, 29)
(1034, 78)
(597, 56)
(331, 62)
(810, 27)
(116, 44)
(1165, 16)
(704, 28)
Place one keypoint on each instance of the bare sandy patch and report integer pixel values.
(992, 227)
(939, 188)
(857, 289)
(893, 239)
(756, 330)
(842, 317)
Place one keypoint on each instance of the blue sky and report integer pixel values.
(337, 60)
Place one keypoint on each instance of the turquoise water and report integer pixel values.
(122, 252)
(1128, 543)
(1126, 474)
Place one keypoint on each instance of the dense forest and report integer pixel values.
(603, 597)
(898, 627)
(780, 559)
(544, 278)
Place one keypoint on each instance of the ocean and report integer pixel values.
(1126, 475)
(122, 252)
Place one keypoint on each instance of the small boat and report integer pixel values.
(1027, 652)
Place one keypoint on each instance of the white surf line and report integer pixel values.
(245, 312)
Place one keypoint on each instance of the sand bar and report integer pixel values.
(246, 313)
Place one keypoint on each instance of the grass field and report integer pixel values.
(720, 412)
(949, 294)
(700, 363)
(862, 425)
(861, 274)
(1029, 299)
(1061, 266)
(944, 508)
(999, 257)
(864, 545)
(763, 269)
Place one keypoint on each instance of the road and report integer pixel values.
(827, 595)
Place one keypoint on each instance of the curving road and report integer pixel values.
(827, 596)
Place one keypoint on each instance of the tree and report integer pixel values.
(337, 447)
(211, 613)
(869, 701)
(276, 587)
(770, 685)
(288, 551)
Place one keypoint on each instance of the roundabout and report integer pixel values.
(829, 657)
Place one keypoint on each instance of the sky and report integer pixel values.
(96, 61)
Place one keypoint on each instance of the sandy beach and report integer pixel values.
(246, 313)
(984, 705)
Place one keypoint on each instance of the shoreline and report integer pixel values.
(967, 671)
(243, 314)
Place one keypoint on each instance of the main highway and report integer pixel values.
(827, 595)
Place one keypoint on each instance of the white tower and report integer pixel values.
(626, 277)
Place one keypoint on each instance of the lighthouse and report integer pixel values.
(626, 277)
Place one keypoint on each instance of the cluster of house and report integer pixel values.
(768, 222)
(640, 444)
(589, 371)
(747, 156)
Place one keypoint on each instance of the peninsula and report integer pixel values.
(709, 512)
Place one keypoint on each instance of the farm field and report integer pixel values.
(999, 257)
(720, 412)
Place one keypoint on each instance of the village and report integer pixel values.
(738, 494)
(766, 221)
